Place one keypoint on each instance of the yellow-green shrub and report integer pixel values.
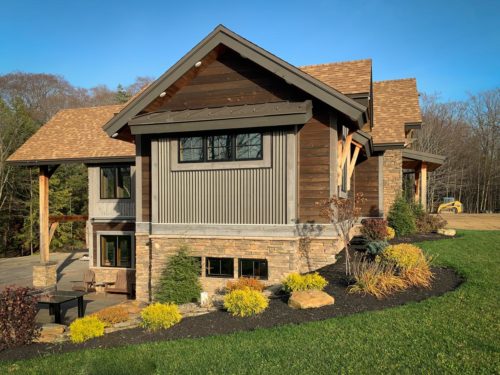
(376, 278)
(245, 302)
(245, 282)
(411, 261)
(86, 328)
(112, 315)
(160, 316)
(296, 282)
(391, 233)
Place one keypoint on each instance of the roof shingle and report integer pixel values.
(74, 134)
(395, 103)
(348, 77)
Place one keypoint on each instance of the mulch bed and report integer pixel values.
(420, 237)
(278, 313)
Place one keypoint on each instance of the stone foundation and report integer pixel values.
(45, 276)
(284, 255)
(393, 177)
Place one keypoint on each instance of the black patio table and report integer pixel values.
(57, 298)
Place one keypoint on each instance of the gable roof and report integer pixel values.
(222, 35)
(348, 77)
(395, 104)
(74, 135)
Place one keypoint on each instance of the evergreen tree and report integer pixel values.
(122, 96)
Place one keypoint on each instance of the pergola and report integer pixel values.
(420, 163)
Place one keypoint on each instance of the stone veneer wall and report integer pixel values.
(393, 177)
(284, 255)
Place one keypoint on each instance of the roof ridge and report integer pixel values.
(335, 63)
(396, 80)
(91, 107)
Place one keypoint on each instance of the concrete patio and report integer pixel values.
(18, 271)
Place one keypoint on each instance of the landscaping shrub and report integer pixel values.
(401, 217)
(425, 222)
(86, 328)
(112, 315)
(245, 302)
(376, 278)
(374, 229)
(391, 233)
(18, 311)
(160, 316)
(244, 283)
(374, 248)
(412, 263)
(296, 282)
(179, 282)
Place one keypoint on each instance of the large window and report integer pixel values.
(219, 267)
(221, 147)
(116, 182)
(256, 268)
(116, 251)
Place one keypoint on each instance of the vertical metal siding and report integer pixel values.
(225, 196)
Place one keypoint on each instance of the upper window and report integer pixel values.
(116, 182)
(221, 147)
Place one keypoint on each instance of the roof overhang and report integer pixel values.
(412, 126)
(365, 139)
(388, 146)
(413, 159)
(90, 160)
(223, 118)
(282, 69)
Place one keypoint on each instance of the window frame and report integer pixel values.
(233, 135)
(220, 276)
(117, 168)
(101, 234)
(240, 260)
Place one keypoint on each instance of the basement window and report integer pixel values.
(221, 147)
(116, 251)
(219, 267)
(116, 182)
(255, 268)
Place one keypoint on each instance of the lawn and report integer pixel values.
(455, 333)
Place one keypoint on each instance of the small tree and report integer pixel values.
(343, 214)
(179, 282)
(401, 217)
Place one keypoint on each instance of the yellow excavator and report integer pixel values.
(450, 205)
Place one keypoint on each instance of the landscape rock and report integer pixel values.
(447, 232)
(51, 332)
(310, 299)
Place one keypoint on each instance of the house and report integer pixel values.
(229, 152)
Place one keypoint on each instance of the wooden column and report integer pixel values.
(423, 192)
(43, 179)
(416, 193)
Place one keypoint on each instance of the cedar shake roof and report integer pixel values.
(395, 103)
(74, 134)
(348, 77)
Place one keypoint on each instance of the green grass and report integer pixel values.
(455, 333)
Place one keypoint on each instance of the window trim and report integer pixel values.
(219, 276)
(116, 166)
(232, 136)
(253, 260)
(265, 162)
(99, 234)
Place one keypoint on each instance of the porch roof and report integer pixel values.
(412, 159)
(74, 135)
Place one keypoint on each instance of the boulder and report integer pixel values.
(310, 299)
(51, 332)
(447, 232)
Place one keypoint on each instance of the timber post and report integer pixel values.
(423, 185)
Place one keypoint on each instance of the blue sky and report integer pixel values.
(452, 47)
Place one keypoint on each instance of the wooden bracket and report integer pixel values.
(52, 230)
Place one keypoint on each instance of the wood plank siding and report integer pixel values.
(366, 181)
(221, 196)
(314, 167)
(225, 81)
